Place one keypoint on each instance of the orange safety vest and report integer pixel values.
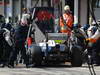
(68, 19)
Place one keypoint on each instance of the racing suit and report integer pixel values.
(95, 40)
(20, 38)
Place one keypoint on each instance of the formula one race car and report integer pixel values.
(55, 47)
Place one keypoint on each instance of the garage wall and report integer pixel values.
(83, 12)
(97, 13)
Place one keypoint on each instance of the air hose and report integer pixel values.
(30, 27)
(90, 62)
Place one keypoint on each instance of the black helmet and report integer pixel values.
(2, 19)
(1, 16)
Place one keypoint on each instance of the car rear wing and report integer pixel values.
(57, 36)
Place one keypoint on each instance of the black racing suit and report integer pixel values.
(5, 48)
(20, 38)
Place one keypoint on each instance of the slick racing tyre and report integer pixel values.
(76, 58)
(36, 55)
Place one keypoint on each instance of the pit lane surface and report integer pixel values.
(49, 70)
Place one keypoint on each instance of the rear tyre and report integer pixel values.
(36, 55)
(76, 56)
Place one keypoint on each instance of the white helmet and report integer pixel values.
(66, 7)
